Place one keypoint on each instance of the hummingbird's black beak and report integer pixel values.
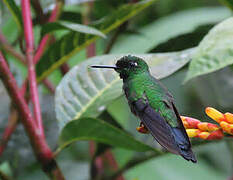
(103, 66)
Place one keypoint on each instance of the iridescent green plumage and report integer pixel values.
(154, 105)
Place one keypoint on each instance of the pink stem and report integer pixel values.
(7, 47)
(64, 68)
(43, 43)
(91, 50)
(12, 123)
(41, 48)
(49, 85)
(29, 39)
(112, 162)
(28, 30)
(11, 85)
(41, 149)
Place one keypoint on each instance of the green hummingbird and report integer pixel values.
(154, 105)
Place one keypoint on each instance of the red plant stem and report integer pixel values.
(36, 133)
(24, 87)
(13, 119)
(41, 149)
(44, 42)
(91, 50)
(112, 162)
(99, 165)
(28, 30)
(39, 11)
(29, 39)
(41, 48)
(64, 68)
(49, 85)
(12, 123)
(6, 46)
(92, 148)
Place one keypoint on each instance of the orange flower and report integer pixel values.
(202, 130)
(214, 114)
(205, 130)
(209, 131)
(225, 120)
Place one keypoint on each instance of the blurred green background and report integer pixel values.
(176, 25)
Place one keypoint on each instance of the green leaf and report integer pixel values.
(168, 27)
(54, 26)
(214, 52)
(6, 168)
(70, 16)
(228, 3)
(73, 42)
(85, 92)
(99, 131)
(175, 168)
(15, 11)
(9, 30)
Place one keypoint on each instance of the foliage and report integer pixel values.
(55, 26)
(89, 129)
(214, 51)
(72, 42)
(86, 120)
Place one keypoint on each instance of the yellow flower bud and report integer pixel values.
(203, 135)
(205, 126)
(229, 117)
(192, 132)
(214, 114)
(227, 127)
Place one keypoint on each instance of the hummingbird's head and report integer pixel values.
(128, 66)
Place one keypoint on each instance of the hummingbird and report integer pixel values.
(149, 100)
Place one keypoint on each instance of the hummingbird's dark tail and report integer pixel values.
(188, 155)
(182, 139)
(183, 144)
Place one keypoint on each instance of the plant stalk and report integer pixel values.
(41, 149)
(12, 124)
(29, 39)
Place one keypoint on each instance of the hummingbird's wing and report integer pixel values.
(156, 124)
(174, 140)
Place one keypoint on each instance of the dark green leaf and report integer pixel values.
(99, 131)
(85, 92)
(214, 52)
(74, 17)
(54, 26)
(228, 3)
(168, 27)
(73, 42)
(15, 11)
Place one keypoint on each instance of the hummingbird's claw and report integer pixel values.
(142, 129)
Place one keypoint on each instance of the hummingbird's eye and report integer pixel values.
(133, 64)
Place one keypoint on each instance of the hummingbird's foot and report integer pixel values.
(142, 129)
